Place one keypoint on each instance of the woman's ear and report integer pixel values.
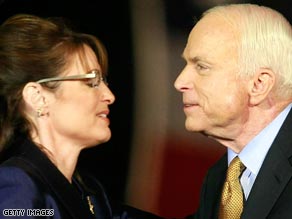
(261, 85)
(35, 98)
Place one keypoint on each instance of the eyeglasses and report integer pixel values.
(94, 74)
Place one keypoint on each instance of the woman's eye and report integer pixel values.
(104, 81)
(92, 83)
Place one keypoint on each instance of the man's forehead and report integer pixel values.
(210, 38)
(212, 29)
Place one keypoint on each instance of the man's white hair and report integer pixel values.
(264, 41)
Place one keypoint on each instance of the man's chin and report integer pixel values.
(191, 128)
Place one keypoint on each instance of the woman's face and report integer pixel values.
(78, 112)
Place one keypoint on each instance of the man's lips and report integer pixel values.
(188, 107)
(190, 104)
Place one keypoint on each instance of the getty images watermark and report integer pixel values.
(28, 212)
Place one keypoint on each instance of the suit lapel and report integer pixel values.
(214, 182)
(66, 194)
(273, 176)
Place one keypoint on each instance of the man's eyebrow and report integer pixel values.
(195, 59)
(192, 59)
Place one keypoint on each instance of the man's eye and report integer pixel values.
(201, 67)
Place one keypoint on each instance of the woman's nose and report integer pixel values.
(107, 94)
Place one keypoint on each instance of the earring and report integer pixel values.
(39, 112)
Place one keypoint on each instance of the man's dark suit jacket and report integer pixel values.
(271, 194)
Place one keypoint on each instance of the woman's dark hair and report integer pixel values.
(33, 48)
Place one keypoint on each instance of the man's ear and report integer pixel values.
(35, 98)
(260, 85)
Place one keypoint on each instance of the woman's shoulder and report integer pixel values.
(18, 189)
(21, 190)
(11, 176)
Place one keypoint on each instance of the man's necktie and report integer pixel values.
(231, 204)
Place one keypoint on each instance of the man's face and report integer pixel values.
(215, 100)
